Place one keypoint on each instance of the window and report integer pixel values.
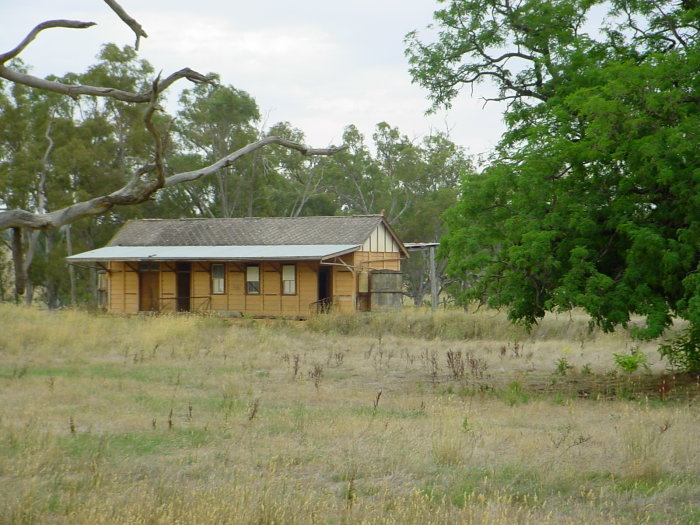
(289, 279)
(217, 278)
(252, 280)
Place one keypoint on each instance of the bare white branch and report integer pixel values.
(49, 24)
(95, 91)
(159, 152)
(189, 176)
(133, 24)
(76, 90)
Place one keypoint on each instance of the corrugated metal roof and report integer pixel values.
(283, 252)
(250, 231)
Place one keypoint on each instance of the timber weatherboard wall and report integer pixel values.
(124, 287)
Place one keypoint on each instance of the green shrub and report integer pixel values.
(514, 394)
(562, 366)
(683, 352)
(631, 362)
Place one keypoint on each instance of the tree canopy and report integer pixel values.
(591, 198)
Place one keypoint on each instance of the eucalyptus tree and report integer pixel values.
(590, 199)
(297, 185)
(355, 177)
(26, 121)
(213, 120)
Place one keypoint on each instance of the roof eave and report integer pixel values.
(341, 253)
(86, 257)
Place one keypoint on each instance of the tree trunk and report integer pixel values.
(418, 297)
(32, 242)
(223, 197)
(71, 268)
(2, 281)
(434, 297)
(29, 293)
(251, 186)
(18, 260)
(49, 281)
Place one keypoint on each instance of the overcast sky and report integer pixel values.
(319, 64)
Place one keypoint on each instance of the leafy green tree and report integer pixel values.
(275, 182)
(591, 198)
(298, 186)
(395, 173)
(214, 120)
(28, 120)
(355, 176)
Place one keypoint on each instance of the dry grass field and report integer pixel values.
(404, 418)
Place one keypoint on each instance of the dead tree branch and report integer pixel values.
(49, 24)
(189, 176)
(76, 90)
(157, 139)
(95, 91)
(133, 24)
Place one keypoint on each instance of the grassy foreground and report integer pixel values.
(361, 419)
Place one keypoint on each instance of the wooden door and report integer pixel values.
(325, 289)
(183, 285)
(149, 291)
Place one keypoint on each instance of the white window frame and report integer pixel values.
(289, 279)
(252, 275)
(218, 282)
